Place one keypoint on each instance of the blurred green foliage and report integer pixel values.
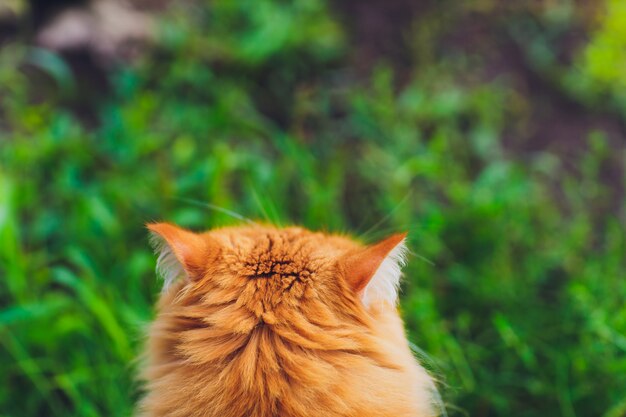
(605, 57)
(515, 295)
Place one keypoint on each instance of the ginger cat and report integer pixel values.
(260, 321)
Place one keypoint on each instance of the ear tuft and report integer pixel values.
(374, 272)
(167, 266)
(180, 252)
(385, 284)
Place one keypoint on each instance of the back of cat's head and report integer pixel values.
(263, 321)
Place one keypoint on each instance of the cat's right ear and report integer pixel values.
(374, 271)
(182, 253)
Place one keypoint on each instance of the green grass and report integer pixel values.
(515, 293)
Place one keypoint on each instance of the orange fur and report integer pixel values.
(269, 322)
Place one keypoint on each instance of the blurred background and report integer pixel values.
(493, 131)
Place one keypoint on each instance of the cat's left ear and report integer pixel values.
(181, 252)
(374, 272)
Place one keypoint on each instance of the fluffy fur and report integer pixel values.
(262, 322)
